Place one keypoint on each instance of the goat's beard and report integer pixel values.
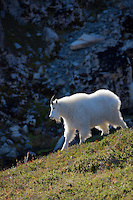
(58, 121)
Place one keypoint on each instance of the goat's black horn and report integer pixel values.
(51, 100)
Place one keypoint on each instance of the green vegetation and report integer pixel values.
(95, 170)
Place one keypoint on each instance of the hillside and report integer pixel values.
(99, 169)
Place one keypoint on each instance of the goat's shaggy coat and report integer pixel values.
(85, 111)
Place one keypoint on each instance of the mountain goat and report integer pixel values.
(85, 111)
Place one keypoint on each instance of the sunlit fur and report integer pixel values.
(82, 112)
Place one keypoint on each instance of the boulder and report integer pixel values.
(4, 149)
(36, 76)
(60, 82)
(85, 40)
(12, 153)
(50, 35)
(10, 142)
(15, 128)
(16, 137)
(17, 46)
(41, 71)
(3, 139)
(25, 129)
(31, 120)
(51, 38)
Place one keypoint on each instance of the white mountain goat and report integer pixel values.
(85, 111)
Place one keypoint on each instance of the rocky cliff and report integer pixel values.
(37, 60)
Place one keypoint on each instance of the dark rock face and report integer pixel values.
(2, 36)
(128, 24)
(65, 14)
(36, 62)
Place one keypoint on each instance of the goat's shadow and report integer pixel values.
(96, 136)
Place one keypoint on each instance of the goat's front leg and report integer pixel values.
(68, 136)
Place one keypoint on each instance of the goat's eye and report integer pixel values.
(53, 108)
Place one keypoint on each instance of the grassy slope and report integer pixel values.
(95, 170)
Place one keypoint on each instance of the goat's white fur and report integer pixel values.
(85, 111)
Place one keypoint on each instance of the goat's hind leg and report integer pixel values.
(84, 134)
(104, 127)
(118, 121)
(121, 123)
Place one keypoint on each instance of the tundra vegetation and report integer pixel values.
(101, 168)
